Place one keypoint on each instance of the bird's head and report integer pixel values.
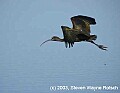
(65, 28)
(54, 38)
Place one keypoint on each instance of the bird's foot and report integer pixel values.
(102, 47)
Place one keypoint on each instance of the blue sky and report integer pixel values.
(28, 68)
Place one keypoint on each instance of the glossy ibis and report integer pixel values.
(79, 32)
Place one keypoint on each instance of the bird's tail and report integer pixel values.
(92, 37)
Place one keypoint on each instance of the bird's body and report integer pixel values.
(79, 32)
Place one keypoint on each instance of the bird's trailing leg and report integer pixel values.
(92, 37)
(100, 46)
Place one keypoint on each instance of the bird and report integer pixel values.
(79, 32)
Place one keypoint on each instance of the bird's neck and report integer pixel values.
(61, 40)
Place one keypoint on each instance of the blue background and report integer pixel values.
(25, 67)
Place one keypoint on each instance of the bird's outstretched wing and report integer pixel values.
(70, 36)
(82, 23)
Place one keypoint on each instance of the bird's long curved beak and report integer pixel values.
(45, 42)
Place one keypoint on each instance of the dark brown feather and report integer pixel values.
(82, 23)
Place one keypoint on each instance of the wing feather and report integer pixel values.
(70, 36)
(82, 23)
